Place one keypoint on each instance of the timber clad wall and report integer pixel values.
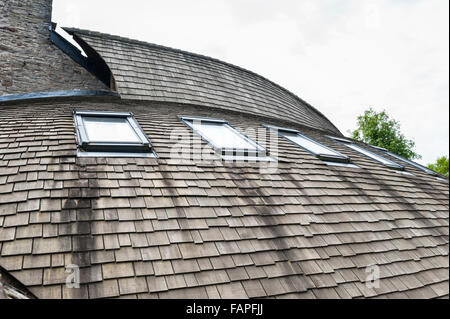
(167, 228)
(29, 62)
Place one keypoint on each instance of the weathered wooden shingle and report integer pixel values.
(104, 289)
(52, 245)
(132, 285)
(17, 247)
(120, 270)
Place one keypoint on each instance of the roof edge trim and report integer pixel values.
(55, 94)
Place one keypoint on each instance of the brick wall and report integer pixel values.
(29, 62)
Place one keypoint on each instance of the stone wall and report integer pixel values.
(29, 62)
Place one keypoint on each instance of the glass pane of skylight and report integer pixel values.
(109, 129)
(374, 156)
(222, 136)
(311, 146)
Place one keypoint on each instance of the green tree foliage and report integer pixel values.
(378, 129)
(441, 166)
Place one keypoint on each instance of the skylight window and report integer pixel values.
(224, 139)
(313, 147)
(416, 165)
(328, 155)
(369, 154)
(110, 134)
(374, 156)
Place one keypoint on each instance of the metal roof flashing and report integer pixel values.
(38, 96)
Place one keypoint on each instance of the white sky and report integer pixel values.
(342, 56)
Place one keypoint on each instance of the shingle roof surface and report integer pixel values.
(168, 228)
(144, 71)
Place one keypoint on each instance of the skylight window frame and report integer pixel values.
(327, 158)
(405, 160)
(259, 153)
(339, 139)
(416, 165)
(88, 148)
(355, 147)
(441, 179)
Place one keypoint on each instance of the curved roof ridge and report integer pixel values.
(72, 30)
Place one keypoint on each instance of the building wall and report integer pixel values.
(168, 228)
(29, 62)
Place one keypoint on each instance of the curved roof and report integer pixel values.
(171, 228)
(145, 71)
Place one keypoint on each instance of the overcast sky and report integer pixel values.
(342, 56)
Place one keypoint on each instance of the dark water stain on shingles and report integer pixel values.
(179, 211)
(81, 229)
(167, 181)
(369, 198)
(265, 214)
(395, 195)
(279, 240)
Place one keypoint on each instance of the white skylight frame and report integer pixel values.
(257, 152)
(87, 147)
(334, 159)
(374, 156)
